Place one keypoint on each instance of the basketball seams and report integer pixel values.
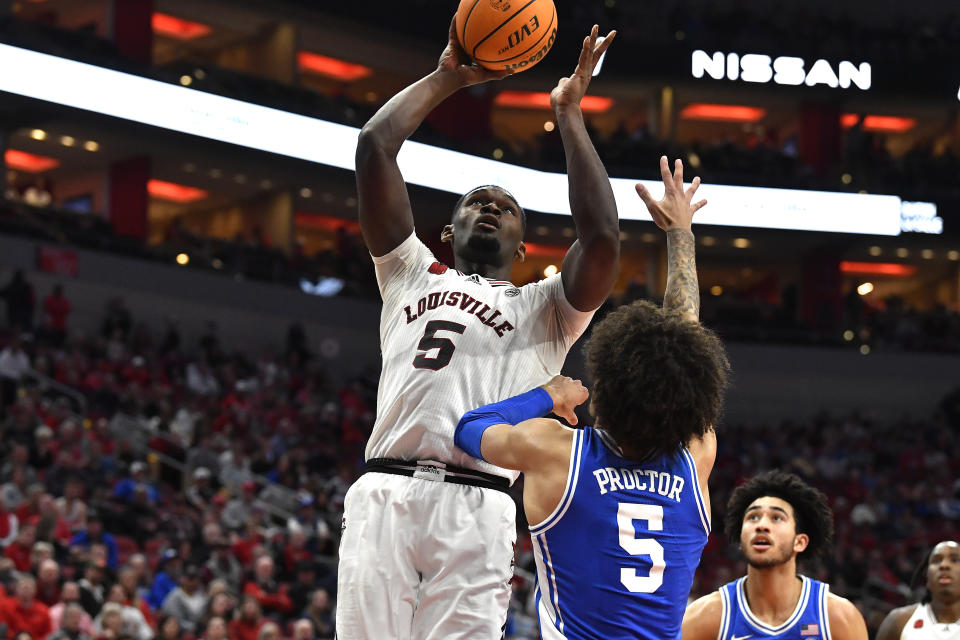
(473, 54)
(546, 34)
(463, 36)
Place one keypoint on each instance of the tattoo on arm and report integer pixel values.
(683, 290)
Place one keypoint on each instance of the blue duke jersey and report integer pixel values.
(808, 621)
(452, 342)
(617, 556)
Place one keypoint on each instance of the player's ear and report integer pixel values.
(800, 542)
(521, 253)
(447, 234)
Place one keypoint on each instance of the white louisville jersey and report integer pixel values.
(452, 342)
(923, 625)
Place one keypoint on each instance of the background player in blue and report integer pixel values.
(620, 511)
(778, 519)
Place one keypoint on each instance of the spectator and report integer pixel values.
(70, 596)
(187, 602)
(269, 631)
(42, 452)
(71, 505)
(92, 588)
(134, 623)
(223, 565)
(22, 547)
(247, 625)
(108, 625)
(138, 477)
(238, 510)
(14, 363)
(50, 526)
(320, 613)
(273, 597)
(303, 630)
(94, 533)
(302, 589)
(71, 627)
(216, 629)
(57, 308)
(9, 526)
(18, 294)
(221, 603)
(48, 582)
(166, 579)
(199, 493)
(23, 612)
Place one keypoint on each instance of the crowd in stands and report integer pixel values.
(181, 493)
(195, 491)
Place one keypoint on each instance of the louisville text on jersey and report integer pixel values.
(467, 303)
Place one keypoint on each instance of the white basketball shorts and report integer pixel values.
(421, 559)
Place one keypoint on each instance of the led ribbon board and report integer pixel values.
(83, 86)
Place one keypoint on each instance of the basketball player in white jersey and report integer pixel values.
(428, 531)
(937, 615)
(777, 518)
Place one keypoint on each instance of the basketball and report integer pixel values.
(507, 34)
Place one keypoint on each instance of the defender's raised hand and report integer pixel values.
(455, 60)
(569, 91)
(675, 210)
(566, 394)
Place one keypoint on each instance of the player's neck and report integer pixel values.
(946, 612)
(481, 269)
(773, 592)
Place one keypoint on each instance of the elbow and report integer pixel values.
(371, 143)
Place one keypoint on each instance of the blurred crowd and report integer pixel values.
(151, 488)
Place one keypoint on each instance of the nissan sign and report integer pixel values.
(786, 70)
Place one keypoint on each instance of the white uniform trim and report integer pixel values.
(724, 614)
(761, 626)
(698, 495)
(824, 610)
(573, 475)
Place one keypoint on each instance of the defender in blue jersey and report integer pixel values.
(620, 511)
(778, 519)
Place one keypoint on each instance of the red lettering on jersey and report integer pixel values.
(918, 624)
(465, 301)
(410, 317)
(454, 298)
(503, 328)
(490, 322)
(480, 313)
(438, 268)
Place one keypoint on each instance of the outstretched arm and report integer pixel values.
(674, 214)
(512, 433)
(385, 215)
(590, 266)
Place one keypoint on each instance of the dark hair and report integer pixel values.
(658, 378)
(811, 513)
(463, 198)
(919, 577)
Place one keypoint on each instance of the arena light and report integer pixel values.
(178, 193)
(541, 100)
(331, 67)
(179, 28)
(722, 112)
(23, 161)
(878, 268)
(885, 124)
(169, 106)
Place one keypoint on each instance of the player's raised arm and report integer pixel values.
(512, 433)
(385, 215)
(590, 266)
(674, 214)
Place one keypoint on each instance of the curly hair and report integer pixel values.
(811, 513)
(658, 378)
(463, 198)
